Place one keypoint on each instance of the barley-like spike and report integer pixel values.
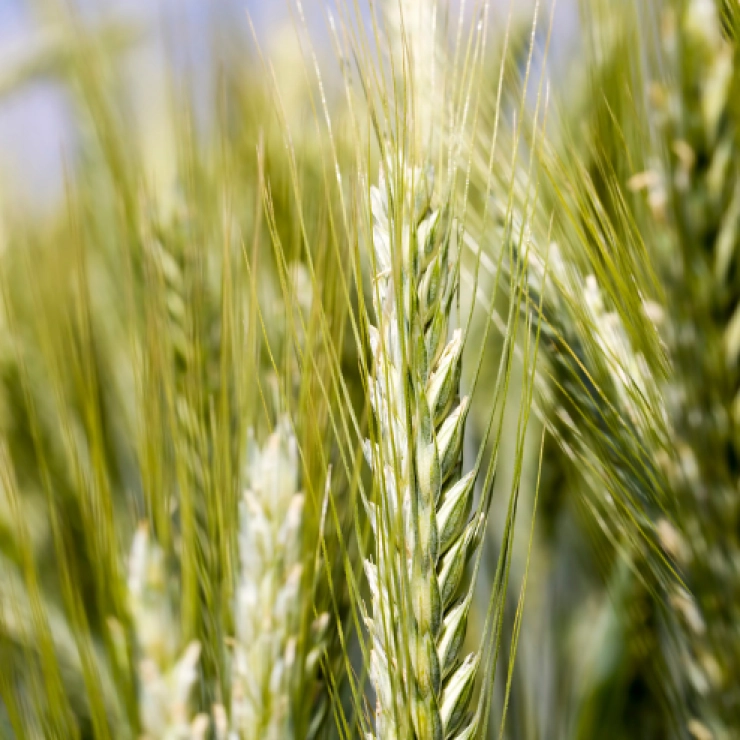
(416, 631)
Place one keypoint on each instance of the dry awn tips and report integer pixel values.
(421, 522)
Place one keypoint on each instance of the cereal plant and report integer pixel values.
(372, 375)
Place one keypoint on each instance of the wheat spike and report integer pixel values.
(696, 111)
(274, 665)
(166, 673)
(204, 577)
(692, 199)
(423, 535)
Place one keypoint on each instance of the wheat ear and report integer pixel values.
(204, 576)
(423, 536)
(166, 673)
(274, 665)
(695, 201)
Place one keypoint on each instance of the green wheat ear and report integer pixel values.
(423, 534)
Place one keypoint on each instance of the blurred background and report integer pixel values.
(152, 41)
